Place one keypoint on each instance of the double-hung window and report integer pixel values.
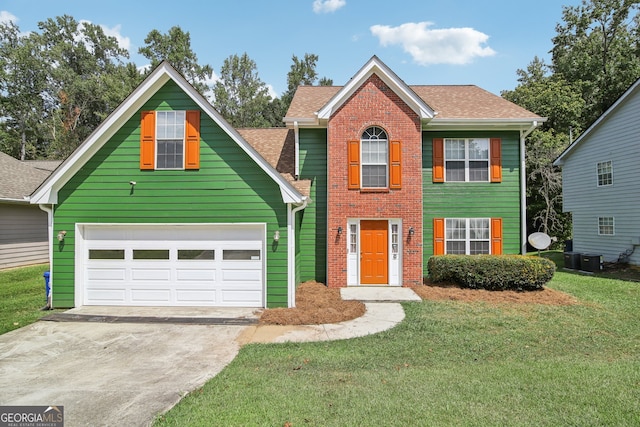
(606, 226)
(467, 160)
(605, 173)
(375, 158)
(170, 139)
(468, 236)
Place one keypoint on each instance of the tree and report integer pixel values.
(597, 49)
(22, 84)
(87, 79)
(240, 96)
(548, 95)
(175, 47)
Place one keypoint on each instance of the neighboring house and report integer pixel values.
(23, 226)
(599, 183)
(167, 204)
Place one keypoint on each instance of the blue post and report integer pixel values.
(47, 290)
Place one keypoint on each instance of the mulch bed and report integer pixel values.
(318, 304)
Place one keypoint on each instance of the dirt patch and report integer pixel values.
(448, 291)
(315, 304)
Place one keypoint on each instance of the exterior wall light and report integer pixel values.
(61, 235)
(411, 231)
(276, 236)
(339, 230)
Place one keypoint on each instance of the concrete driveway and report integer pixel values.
(111, 373)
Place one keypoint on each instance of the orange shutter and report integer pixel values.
(496, 236)
(354, 164)
(438, 160)
(438, 236)
(496, 160)
(395, 165)
(192, 140)
(147, 140)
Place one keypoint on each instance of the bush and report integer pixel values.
(492, 272)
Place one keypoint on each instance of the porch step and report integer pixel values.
(379, 294)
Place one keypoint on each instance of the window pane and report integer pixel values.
(106, 253)
(353, 238)
(454, 149)
(605, 173)
(478, 171)
(455, 248)
(605, 226)
(455, 171)
(477, 248)
(478, 149)
(241, 254)
(374, 176)
(197, 254)
(155, 254)
(169, 154)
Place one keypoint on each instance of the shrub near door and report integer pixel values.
(492, 272)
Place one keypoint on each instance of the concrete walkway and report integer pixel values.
(123, 366)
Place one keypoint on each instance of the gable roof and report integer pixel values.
(631, 91)
(48, 191)
(18, 179)
(438, 105)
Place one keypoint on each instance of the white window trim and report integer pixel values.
(184, 140)
(598, 173)
(467, 239)
(363, 164)
(613, 226)
(467, 159)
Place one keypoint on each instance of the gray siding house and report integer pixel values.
(600, 183)
(23, 226)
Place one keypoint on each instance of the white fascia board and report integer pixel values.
(377, 67)
(482, 124)
(48, 191)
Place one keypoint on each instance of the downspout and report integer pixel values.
(291, 250)
(523, 188)
(296, 136)
(49, 211)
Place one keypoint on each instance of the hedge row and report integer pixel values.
(492, 272)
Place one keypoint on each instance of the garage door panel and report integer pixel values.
(144, 274)
(182, 265)
(189, 275)
(106, 274)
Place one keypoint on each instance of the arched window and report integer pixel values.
(375, 158)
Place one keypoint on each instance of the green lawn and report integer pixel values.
(447, 364)
(22, 295)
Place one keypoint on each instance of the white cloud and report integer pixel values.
(6, 17)
(444, 46)
(123, 42)
(327, 6)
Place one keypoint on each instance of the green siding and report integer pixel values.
(229, 187)
(312, 235)
(474, 200)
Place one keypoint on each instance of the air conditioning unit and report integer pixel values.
(590, 262)
(572, 260)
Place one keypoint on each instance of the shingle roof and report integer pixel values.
(450, 102)
(276, 146)
(18, 179)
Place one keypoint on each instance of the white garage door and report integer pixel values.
(172, 265)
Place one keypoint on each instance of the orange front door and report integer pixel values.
(374, 254)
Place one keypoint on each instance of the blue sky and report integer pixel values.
(423, 41)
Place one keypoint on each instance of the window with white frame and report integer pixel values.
(353, 238)
(605, 173)
(606, 226)
(467, 236)
(170, 139)
(375, 158)
(466, 160)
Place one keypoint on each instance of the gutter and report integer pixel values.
(49, 211)
(291, 251)
(523, 188)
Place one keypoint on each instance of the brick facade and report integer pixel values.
(374, 104)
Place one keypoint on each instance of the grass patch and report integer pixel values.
(22, 295)
(448, 364)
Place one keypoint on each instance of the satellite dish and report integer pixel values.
(539, 240)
